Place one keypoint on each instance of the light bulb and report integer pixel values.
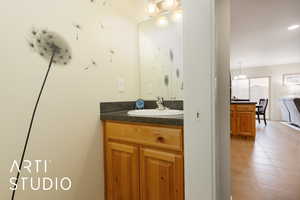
(152, 8)
(177, 15)
(169, 4)
(163, 21)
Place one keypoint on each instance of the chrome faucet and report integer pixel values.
(160, 103)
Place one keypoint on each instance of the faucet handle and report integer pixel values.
(160, 100)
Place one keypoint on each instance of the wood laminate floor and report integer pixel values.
(269, 168)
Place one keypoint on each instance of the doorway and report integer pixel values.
(265, 166)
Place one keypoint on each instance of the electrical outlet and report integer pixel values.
(121, 85)
(197, 115)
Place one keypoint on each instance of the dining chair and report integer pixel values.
(261, 109)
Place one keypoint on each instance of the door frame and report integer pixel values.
(206, 60)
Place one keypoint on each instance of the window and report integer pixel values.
(240, 89)
(259, 89)
(253, 89)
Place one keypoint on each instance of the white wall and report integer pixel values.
(198, 60)
(155, 43)
(277, 89)
(222, 108)
(67, 127)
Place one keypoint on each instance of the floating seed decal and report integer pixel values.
(166, 80)
(171, 54)
(78, 28)
(177, 73)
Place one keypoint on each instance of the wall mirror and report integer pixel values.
(160, 57)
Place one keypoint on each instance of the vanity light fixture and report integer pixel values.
(177, 15)
(162, 9)
(168, 4)
(293, 27)
(163, 21)
(152, 8)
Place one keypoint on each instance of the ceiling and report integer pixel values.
(260, 35)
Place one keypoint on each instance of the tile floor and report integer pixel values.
(269, 168)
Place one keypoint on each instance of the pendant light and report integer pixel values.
(240, 76)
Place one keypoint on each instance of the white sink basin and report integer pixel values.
(154, 112)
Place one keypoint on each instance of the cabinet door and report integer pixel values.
(233, 123)
(122, 172)
(246, 123)
(161, 175)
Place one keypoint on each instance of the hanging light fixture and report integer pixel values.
(240, 76)
(163, 21)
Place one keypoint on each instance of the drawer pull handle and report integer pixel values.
(161, 139)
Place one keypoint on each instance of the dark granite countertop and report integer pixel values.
(117, 111)
(243, 102)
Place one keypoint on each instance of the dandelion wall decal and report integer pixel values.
(106, 3)
(166, 80)
(111, 53)
(101, 25)
(78, 28)
(93, 64)
(177, 73)
(53, 48)
(171, 54)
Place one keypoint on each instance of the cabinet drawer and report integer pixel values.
(250, 108)
(163, 137)
(232, 107)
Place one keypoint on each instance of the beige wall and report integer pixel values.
(277, 89)
(67, 128)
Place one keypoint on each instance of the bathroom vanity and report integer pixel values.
(144, 149)
(143, 155)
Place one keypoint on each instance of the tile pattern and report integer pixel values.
(268, 168)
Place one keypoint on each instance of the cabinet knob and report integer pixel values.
(161, 139)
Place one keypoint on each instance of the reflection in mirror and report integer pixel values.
(161, 66)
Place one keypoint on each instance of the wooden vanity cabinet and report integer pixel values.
(143, 162)
(161, 175)
(122, 165)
